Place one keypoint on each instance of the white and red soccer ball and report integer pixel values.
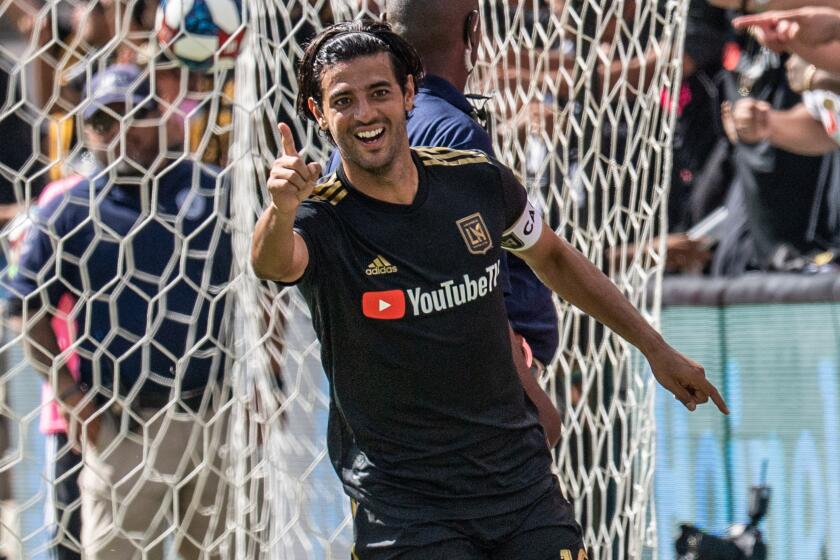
(202, 34)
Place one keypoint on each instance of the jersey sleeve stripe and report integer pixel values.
(331, 191)
(451, 163)
(448, 153)
(450, 157)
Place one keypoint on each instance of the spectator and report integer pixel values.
(700, 148)
(778, 203)
(700, 172)
(798, 130)
(62, 509)
(149, 261)
(763, 5)
(808, 32)
(694, 139)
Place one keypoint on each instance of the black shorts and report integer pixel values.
(543, 530)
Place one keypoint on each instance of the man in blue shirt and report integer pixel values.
(144, 249)
(445, 34)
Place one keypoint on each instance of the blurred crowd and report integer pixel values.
(755, 151)
(755, 174)
(744, 195)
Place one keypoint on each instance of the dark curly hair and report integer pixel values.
(345, 41)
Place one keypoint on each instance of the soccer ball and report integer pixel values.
(203, 34)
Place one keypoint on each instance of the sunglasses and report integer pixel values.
(103, 122)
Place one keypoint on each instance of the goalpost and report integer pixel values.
(581, 98)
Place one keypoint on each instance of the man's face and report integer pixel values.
(102, 133)
(364, 109)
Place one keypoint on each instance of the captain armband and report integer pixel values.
(525, 233)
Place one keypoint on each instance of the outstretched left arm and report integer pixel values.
(570, 274)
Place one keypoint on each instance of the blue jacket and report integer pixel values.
(149, 269)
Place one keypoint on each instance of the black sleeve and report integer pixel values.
(310, 223)
(514, 196)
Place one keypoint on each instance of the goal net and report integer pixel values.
(579, 96)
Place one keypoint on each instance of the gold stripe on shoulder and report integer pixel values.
(447, 153)
(331, 190)
(451, 163)
(329, 182)
(338, 196)
(450, 157)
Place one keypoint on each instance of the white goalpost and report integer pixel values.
(579, 96)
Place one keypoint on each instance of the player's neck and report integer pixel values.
(397, 184)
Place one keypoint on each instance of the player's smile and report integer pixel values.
(372, 136)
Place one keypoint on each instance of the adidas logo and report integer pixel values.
(380, 265)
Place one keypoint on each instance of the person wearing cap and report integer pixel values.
(143, 247)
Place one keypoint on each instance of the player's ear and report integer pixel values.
(408, 95)
(312, 105)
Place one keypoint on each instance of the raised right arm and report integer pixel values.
(277, 252)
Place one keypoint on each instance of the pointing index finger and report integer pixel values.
(713, 393)
(287, 140)
(767, 19)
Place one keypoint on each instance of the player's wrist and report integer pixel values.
(651, 344)
(282, 212)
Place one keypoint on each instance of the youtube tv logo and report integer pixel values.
(386, 305)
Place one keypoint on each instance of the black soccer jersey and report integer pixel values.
(428, 419)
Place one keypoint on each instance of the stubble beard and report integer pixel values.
(354, 156)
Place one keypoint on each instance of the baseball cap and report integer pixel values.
(120, 83)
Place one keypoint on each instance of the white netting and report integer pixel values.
(581, 105)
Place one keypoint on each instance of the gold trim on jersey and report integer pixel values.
(331, 191)
(450, 157)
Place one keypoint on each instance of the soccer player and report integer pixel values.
(429, 429)
(446, 35)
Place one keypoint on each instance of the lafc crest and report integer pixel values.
(475, 234)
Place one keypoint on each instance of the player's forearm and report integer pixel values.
(796, 131)
(549, 416)
(570, 274)
(273, 245)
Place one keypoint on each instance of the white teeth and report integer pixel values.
(369, 133)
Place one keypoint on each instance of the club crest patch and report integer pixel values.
(475, 234)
